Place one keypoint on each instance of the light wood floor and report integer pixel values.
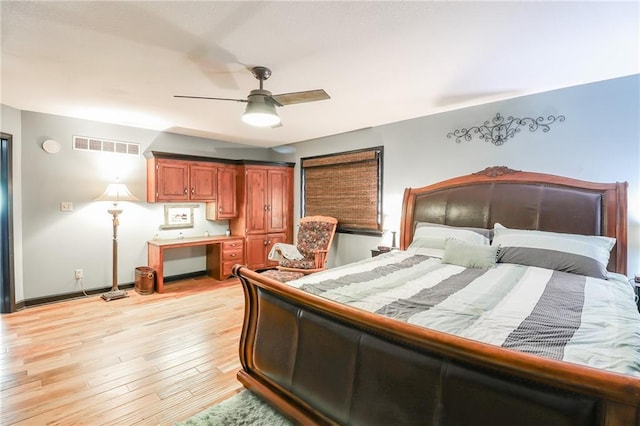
(148, 360)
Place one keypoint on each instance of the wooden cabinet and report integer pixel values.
(167, 180)
(226, 205)
(181, 179)
(221, 257)
(268, 200)
(258, 248)
(279, 199)
(202, 181)
(266, 210)
(175, 180)
(227, 189)
(255, 197)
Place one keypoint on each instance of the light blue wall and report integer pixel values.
(599, 141)
(56, 243)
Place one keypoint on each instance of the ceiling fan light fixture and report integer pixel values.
(260, 112)
(261, 104)
(261, 119)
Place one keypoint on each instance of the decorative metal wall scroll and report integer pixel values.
(502, 129)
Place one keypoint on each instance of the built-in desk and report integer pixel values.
(222, 253)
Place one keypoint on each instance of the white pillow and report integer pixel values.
(434, 237)
(469, 255)
(482, 231)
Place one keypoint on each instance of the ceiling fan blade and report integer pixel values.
(204, 97)
(300, 97)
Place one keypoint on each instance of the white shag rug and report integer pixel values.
(242, 409)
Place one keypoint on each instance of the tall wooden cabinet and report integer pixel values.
(265, 216)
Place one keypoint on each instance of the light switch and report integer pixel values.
(66, 206)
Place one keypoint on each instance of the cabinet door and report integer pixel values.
(272, 239)
(202, 182)
(256, 251)
(277, 200)
(227, 206)
(256, 188)
(258, 248)
(172, 180)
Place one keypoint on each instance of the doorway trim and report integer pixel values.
(7, 281)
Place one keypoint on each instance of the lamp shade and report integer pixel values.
(117, 192)
(260, 112)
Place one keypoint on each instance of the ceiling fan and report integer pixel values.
(261, 104)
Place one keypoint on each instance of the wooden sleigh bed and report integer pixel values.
(322, 362)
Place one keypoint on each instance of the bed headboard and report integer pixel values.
(522, 200)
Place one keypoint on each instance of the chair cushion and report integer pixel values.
(282, 276)
(298, 264)
(313, 236)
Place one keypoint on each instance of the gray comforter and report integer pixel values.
(558, 315)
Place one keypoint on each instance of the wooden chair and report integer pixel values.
(315, 235)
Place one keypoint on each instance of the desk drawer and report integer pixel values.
(228, 266)
(232, 245)
(232, 254)
(222, 256)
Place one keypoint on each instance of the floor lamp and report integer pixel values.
(115, 192)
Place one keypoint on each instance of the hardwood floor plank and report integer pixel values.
(144, 414)
(164, 382)
(21, 389)
(61, 407)
(144, 360)
(192, 406)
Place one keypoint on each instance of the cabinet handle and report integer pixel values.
(266, 207)
(266, 242)
(185, 191)
(234, 254)
(220, 209)
(193, 191)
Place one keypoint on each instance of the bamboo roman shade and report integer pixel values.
(346, 186)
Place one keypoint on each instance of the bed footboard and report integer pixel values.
(324, 363)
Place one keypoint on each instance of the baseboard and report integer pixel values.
(27, 303)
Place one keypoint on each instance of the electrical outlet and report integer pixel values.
(66, 206)
(78, 274)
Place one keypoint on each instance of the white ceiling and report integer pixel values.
(381, 62)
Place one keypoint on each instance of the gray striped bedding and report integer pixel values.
(563, 316)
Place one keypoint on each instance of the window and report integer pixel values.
(347, 186)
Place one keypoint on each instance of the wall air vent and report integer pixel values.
(85, 143)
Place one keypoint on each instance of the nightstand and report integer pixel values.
(377, 251)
